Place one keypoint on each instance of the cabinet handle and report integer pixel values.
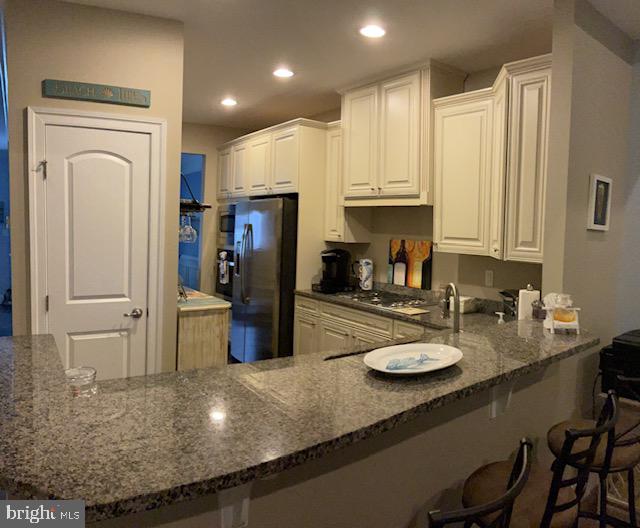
(495, 250)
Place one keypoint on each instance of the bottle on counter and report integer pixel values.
(400, 266)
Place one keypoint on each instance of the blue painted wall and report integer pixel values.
(191, 166)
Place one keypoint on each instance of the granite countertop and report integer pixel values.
(434, 319)
(144, 442)
(198, 301)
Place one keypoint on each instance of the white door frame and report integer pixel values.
(38, 118)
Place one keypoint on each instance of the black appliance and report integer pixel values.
(224, 273)
(621, 357)
(227, 218)
(336, 271)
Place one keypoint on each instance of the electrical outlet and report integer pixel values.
(488, 278)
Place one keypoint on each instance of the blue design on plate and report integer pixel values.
(408, 363)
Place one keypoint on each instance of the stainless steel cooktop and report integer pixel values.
(384, 299)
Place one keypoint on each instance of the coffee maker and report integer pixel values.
(336, 271)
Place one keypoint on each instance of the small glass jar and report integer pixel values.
(82, 381)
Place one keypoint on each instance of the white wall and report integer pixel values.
(590, 132)
(628, 315)
(58, 40)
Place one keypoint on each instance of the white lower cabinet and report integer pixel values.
(333, 336)
(327, 327)
(305, 332)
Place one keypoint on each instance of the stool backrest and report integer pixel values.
(580, 460)
(499, 510)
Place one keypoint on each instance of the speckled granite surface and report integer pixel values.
(434, 319)
(144, 442)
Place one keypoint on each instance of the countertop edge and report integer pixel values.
(334, 299)
(195, 490)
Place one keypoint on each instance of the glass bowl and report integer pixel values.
(81, 380)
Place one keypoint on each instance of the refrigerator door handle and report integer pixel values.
(236, 259)
(247, 243)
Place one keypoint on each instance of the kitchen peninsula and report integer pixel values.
(150, 442)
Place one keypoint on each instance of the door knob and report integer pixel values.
(136, 313)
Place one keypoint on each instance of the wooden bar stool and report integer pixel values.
(549, 498)
(498, 511)
(624, 458)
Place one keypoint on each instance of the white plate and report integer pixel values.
(414, 358)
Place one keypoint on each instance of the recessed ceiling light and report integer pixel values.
(283, 72)
(372, 31)
(229, 101)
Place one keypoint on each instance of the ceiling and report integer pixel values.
(623, 13)
(232, 47)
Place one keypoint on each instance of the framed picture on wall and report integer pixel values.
(599, 210)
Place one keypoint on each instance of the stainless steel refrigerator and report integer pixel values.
(265, 241)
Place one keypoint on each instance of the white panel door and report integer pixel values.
(462, 167)
(224, 173)
(400, 136)
(259, 164)
(527, 170)
(285, 161)
(360, 142)
(97, 225)
(498, 178)
(333, 337)
(333, 209)
(305, 338)
(239, 179)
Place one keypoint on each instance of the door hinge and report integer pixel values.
(46, 303)
(43, 165)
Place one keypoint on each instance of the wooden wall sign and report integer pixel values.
(98, 93)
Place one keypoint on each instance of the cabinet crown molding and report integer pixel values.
(300, 121)
(396, 72)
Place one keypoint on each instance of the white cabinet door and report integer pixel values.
(333, 210)
(224, 173)
(498, 178)
(527, 169)
(362, 338)
(285, 161)
(399, 173)
(333, 336)
(360, 142)
(462, 167)
(259, 164)
(305, 336)
(239, 166)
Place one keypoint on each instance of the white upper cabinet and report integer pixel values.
(259, 164)
(224, 173)
(360, 136)
(239, 179)
(462, 169)
(285, 161)
(340, 224)
(399, 173)
(386, 141)
(527, 168)
(499, 145)
(508, 222)
(267, 161)
(333, 209)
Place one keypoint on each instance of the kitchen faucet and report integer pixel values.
(452, 291)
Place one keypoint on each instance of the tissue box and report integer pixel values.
(467, 304)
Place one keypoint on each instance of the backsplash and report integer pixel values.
(468, 271)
